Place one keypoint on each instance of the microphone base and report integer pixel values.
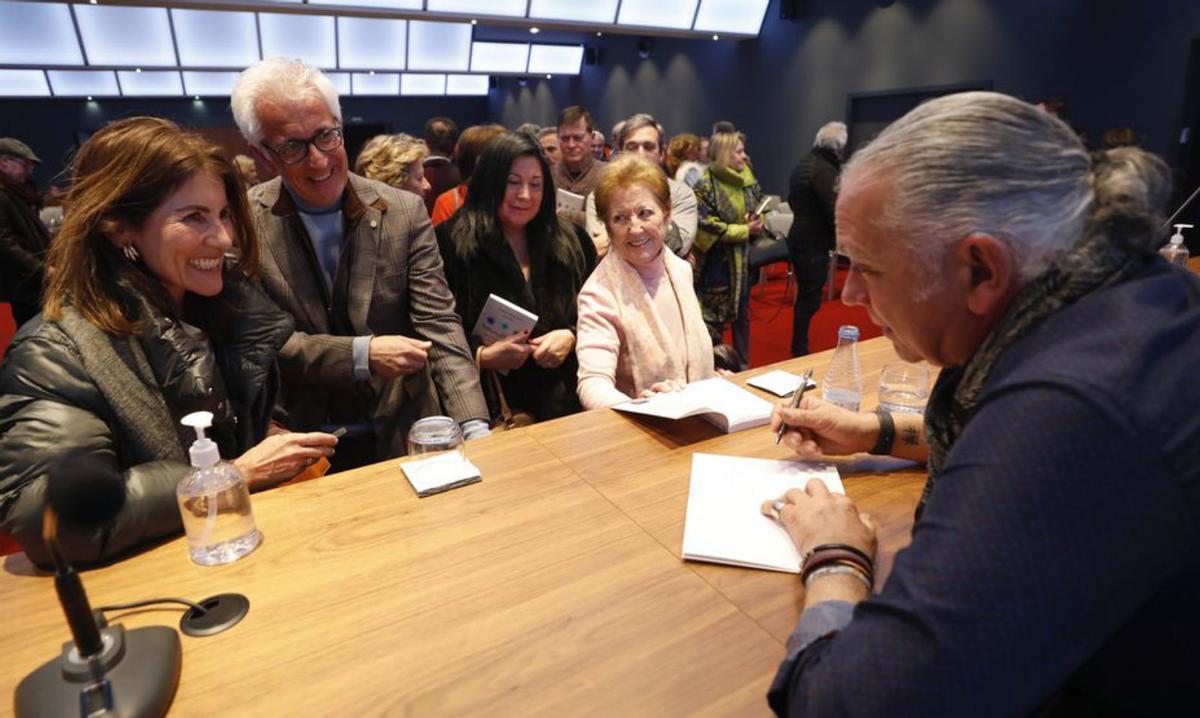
(141, 667)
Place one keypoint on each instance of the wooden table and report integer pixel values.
(553, 587)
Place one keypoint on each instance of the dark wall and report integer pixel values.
(50, 126)
(1114, 63)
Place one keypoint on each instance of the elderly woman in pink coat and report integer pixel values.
(640, 328)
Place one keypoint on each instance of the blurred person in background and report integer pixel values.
(23, 238)
(441, 136)
(395, 160)
(470, 145)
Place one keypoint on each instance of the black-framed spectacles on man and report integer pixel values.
(291, 152)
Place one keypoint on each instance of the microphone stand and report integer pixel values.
(107, 672)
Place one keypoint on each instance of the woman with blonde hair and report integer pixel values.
(640, 325)
(395, 160)
(151, 314)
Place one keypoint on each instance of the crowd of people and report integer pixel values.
(980, 235)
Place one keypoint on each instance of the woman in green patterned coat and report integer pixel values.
(727, 196)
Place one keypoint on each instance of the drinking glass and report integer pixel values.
(904, 387)
(437, 436)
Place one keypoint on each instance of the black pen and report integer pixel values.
(796, 397)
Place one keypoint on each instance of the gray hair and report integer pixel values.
(547, 131)
(637, 122)
(278, 78)
(986, 163)
(832, 136)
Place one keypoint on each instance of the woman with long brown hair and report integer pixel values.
(150, 314)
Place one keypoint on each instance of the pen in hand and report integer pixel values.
(796, 397)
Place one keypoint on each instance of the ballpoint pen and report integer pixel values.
(796, 397)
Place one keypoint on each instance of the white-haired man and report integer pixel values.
(812, 192)
(1053, 567)
(641, 134)
(356, 264)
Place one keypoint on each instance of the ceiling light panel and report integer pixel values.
(601, 11)
(392, 4)
(307, 37)
(341, 81)
(150, 84)
(499, 57)
(37, 34)
(673, 14)
(502, 8)
(411, 84)
(23, 83)
(82, 83)
(212, 84)
(742, 17)
(208, 38)
(129, 36)
(467, 85)
(372, 43)
(438, 46)
(556, 59)
(381, 83)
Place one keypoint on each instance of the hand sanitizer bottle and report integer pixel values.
(215, 502)
(842, 383)
(1175, 252)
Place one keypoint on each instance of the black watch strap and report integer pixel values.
(887, 433)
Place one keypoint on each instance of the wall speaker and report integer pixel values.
(592, 55)
(493, 82)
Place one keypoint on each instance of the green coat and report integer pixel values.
(723, 198)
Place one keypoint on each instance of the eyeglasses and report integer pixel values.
(291, 152)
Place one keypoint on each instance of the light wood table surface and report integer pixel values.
(554, 587)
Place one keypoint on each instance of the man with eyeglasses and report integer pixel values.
(579, 170)
(642, 135)
(356, 264)
(23, 237)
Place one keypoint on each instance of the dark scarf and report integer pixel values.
(1116, 245)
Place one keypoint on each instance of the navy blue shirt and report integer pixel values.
(1056, 565)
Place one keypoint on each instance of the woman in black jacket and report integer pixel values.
(508, 241)
(146, 320)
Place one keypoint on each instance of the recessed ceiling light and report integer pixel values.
(137, 69)
(196, 98)
(549, 77)
(89, 96)
(716, 37)
(372, 72)
(599, 34)
(474, 22)
(535, 30)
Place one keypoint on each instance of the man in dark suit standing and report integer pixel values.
(356, 264)
(23, 238)
(812, 195)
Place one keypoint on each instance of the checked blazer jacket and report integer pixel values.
(390, 281)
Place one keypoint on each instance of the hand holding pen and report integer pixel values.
(797, 396)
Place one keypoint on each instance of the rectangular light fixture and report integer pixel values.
(208, 38)
(438, 45)
(392, 4)
(23, 83)
(128, 36)
(82, 83)
(341, 81)
(673, 14)
(37, 34)
(150, 83)
(739, 17)
(555, 59)
(371, 43)
(502, 8)
(211, 84)
(411, 84)
(467, 85)
(510, 57)
(310, 38)
(379, 83)
(595, 11)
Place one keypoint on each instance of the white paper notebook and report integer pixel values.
(779, 382)
(565, 200)
(725, 523)
(440, 472)
(501, 319)
(723, 403)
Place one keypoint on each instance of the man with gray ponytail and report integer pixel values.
(1053, 563)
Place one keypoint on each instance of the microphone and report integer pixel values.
(107, 671)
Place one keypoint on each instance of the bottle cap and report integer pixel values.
(848, 331)
(204, 451)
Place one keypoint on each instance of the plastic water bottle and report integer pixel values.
(215, 502)
(842, 383)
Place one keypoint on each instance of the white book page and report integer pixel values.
(779, 382)
(725, 523)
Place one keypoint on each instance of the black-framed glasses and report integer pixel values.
(291, 152)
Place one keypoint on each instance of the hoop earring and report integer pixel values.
(131, 252)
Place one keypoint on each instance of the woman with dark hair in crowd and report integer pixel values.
(466, 153)
(507, 240)
(148, 317)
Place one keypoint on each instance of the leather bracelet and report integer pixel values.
(812, 562)
(887, 433)
(841, 547)
(840, 570)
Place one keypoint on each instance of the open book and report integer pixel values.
(723, 403)
(725, 523)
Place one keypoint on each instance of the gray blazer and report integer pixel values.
(395, 285)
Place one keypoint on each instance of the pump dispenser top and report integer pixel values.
(204, 451)
(1175, 251)
(1177, 238)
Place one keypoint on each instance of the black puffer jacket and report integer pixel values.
(70, 389)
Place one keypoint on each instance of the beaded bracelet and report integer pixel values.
(841, 569)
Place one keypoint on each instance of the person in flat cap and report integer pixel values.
(23, 238)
